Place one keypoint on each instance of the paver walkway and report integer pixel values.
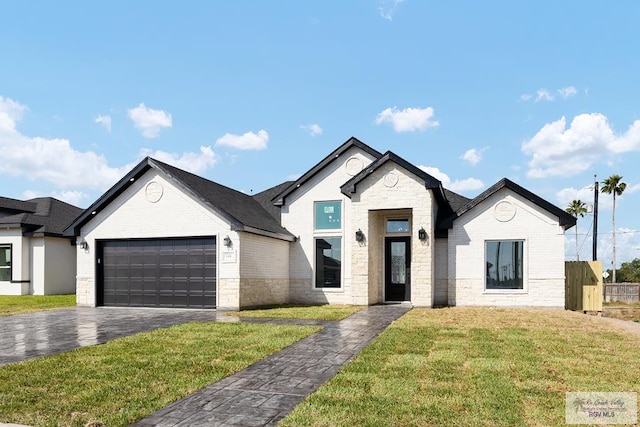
(267, 391)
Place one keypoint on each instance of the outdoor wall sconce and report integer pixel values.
(84, 245)
(422, 234)
(359, 236)
(227, 242)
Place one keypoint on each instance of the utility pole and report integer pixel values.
(595, 218)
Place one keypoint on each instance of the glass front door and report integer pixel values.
(397, 257)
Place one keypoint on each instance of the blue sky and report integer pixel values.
(253, 93)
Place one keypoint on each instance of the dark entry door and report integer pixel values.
(158, 273)
(397, 267)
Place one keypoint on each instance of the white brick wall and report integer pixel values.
(298, 218)
(440, 294)
(131, 215)
(543, 253)
(264, 271)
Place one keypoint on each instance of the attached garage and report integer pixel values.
(178, 273)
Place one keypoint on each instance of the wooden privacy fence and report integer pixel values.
(583, 285)
(622, 292)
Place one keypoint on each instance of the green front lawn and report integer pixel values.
(20, 304)
(475, 367)
(307, 312)
(126, 379)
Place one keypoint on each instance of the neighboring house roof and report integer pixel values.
(279, 199)
(565, 219)
(43, 216)
(265, 199)
(10, 206)
(243, 212)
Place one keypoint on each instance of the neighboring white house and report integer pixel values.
(360, 227)
(34, 256)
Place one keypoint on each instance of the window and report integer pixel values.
(504, 265)
(328, 215)
(5, 263)
(397, 226)
(328, 262)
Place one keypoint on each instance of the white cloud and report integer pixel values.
(76, 198)
(459, 185)
(585, 194)
(195, 163)
(105, 121)
(56, 162)
(407, 120)
(632, 188)
(10, 113)
(627, 240)
(247, 141)
(543, 95)
(558, 151)
(473, 156)
(546, 95)
(149, 121)
(387, 8)
(313, 129)
(567, 92)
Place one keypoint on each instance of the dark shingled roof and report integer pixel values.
(265, 199)
(43, 216)
(10, 206)
(243, 212)
(456, 201)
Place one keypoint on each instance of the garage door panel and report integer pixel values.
(159, 273)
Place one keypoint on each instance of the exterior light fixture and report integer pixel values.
(422, 234)
(84, 245)
(359, 236)
(227, 242)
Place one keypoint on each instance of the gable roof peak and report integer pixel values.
(279, 199)
(565, 220)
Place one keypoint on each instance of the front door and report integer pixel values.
(397, 267)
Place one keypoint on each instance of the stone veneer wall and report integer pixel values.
(390, 188)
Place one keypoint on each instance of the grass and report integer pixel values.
(622, 310)
(475, 367)
(307, 312)
(126, 379)
(20, 304)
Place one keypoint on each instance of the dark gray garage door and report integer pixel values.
(158, 273)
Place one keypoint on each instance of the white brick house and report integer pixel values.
(360, 227)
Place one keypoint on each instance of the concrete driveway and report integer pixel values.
(26, 336)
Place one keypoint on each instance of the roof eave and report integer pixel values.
(280, 236)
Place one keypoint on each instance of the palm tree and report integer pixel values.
(577, 208)
(614, 185)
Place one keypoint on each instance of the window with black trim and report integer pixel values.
(328, 262)
(5, 263)
(504, 264)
